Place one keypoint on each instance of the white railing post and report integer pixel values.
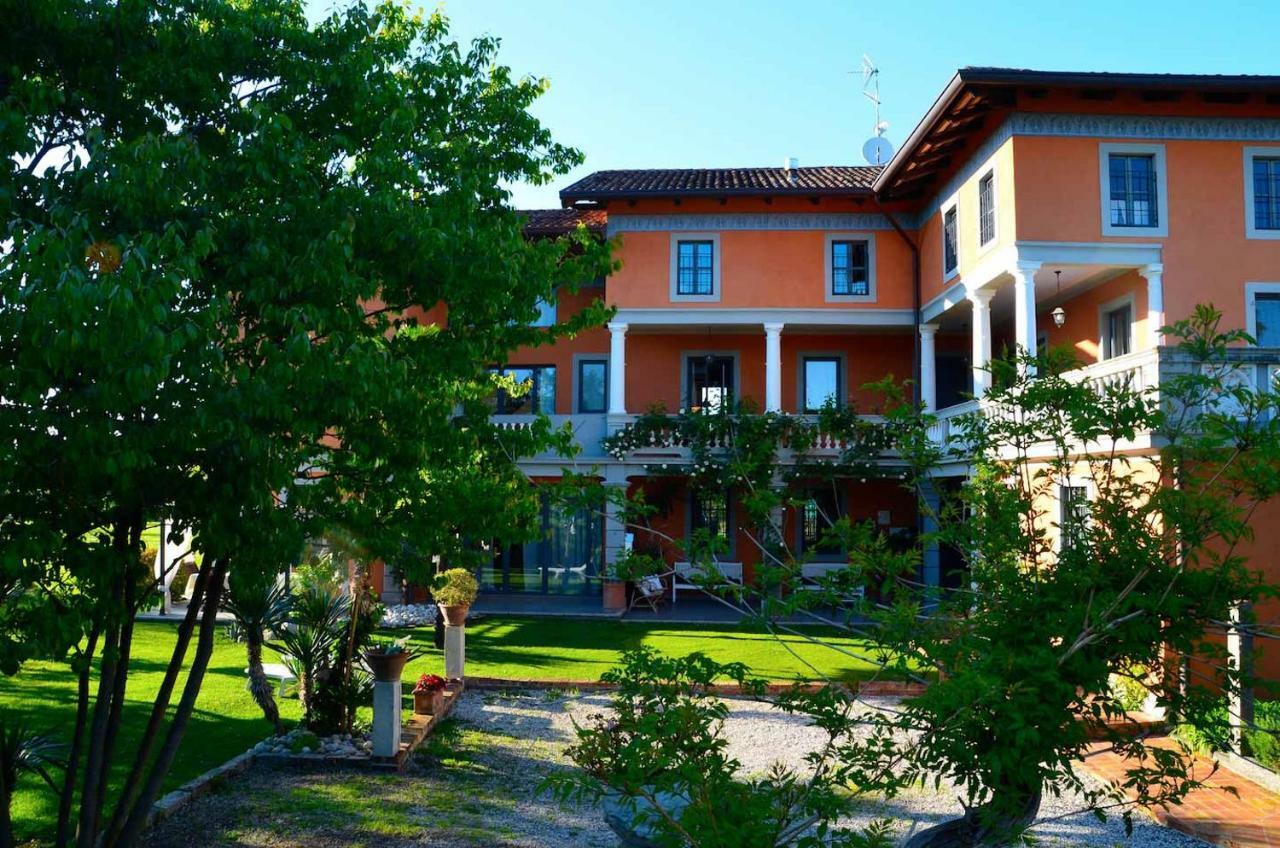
(617, 368)
(773, 367)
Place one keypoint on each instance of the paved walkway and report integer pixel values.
(1250, 818)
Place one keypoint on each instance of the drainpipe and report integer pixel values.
(915, 297)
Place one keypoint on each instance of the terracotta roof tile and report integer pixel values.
(554, 222)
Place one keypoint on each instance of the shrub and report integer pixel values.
(455, 588)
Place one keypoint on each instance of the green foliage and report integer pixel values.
(661, 760)
(1212, 732)
(455, 587)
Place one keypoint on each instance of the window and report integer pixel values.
(1266, 318)
(1074, 520)
(710, 511)
(539, 395)
(1262, 192)
(821, 381)
(695, 268)
(593, 382)
(950, 243)
(1117, 330)
(1134, 190)
(987, 208)
(817, 513)
(849, 269)
(709, 383)
(546, 313)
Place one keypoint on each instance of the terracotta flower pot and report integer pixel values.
(455, 616)
(386, 668)
(615, 594)
(428, 703)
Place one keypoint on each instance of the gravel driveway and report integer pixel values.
(476, 784)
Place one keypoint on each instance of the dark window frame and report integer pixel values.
(1130, 188)
(803, 546)
(805, 359)
(1258, 326)
(987, 208)
(847, 266)
(580, 384)
(533, 397)
(696, 268)
(1268, 199)
(1072, 521)
(950, 240)
(728, 370)
(696, 516)
(1109, 350)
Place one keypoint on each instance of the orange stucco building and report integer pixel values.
(1122, 199)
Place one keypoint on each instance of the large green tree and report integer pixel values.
(220, 224)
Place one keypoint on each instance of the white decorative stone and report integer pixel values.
(408, 615)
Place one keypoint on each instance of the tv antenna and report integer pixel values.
(877, 149)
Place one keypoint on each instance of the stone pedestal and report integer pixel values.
(386, 718)
(455, 652)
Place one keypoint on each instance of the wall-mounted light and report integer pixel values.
(1059, 314)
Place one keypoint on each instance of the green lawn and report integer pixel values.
(227, 721)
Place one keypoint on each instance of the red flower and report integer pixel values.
(429, 683)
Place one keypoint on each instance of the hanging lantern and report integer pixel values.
(1059, 314)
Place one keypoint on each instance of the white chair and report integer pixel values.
(812, 574)
(275, 671)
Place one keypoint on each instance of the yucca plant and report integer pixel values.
(308, 640)
(259, 607)
(23, 752)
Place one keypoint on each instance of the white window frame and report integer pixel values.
(1110, 306)
(1251, 291)
(714, 297)
(952, 204)
(870, 239)
(995, 207)
(1156, 151)
(1250, 221)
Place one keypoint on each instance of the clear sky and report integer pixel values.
(705, 83)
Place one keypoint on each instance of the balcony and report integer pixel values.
(670, 446)
(588, 431)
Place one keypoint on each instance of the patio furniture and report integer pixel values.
(650, 591)
(275, 671)
(683, 572)
(811, 574)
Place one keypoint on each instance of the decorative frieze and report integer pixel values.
(621, 222)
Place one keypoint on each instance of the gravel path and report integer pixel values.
(476, 785)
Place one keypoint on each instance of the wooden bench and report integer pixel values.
(683, 572)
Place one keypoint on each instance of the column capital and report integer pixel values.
(1152, 269)
(928, 329)
(1024, 268)
(980, 297)
(618, 326)
(773, 326)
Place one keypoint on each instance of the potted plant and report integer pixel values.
(387, 660)
(428, 695)
(455, 590)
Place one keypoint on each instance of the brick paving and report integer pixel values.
(1250, 818)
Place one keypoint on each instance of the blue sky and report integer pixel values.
(703, 83)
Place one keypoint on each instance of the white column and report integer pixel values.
(455, 652)
(1024, 307)
(617, 368)
(1155, 301)
(981, 301)
(773, 367)
(928, 364)
(387, 703)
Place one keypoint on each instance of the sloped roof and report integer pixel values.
(715, 182)
(554, 222)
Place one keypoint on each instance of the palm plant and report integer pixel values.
(307, 642)
(259, 606)
(23, 752)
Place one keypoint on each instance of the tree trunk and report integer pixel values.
(87, 830)
(975, 830)
(141, 808)
(68, 792)
(146, 744)
(6, 819)
(259, 686)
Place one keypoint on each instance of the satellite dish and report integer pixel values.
(877, 150)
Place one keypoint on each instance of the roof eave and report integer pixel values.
(568, 198)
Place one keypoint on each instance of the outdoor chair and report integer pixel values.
(650, 591)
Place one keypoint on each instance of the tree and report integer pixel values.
(260, 606)
(225, 224)
(1063, 596)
